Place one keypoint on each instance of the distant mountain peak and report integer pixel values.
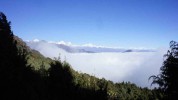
(86, 48)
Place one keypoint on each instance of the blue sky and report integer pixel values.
(120, 23)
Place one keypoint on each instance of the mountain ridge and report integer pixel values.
(68, 47)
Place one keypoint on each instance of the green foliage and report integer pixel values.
(36, 60)
(33, 57)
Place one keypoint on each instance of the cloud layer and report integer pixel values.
(135, 67)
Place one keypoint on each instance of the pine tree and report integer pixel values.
(168, 77)
(18, 81)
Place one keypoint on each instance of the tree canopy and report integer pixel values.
(168, 77)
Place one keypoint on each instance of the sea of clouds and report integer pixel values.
(135, 67)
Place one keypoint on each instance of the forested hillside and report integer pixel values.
(25, 74)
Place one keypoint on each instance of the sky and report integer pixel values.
(118, 23)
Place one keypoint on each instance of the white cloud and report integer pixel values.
(136, 67)
(131, 66)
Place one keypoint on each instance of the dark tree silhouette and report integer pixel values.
(18, 81)
(60, 81)
(168, 77)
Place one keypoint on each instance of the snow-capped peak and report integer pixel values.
(36, 40)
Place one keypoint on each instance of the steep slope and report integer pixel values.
(34, 58)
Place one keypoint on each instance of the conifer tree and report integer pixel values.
(168, 77)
